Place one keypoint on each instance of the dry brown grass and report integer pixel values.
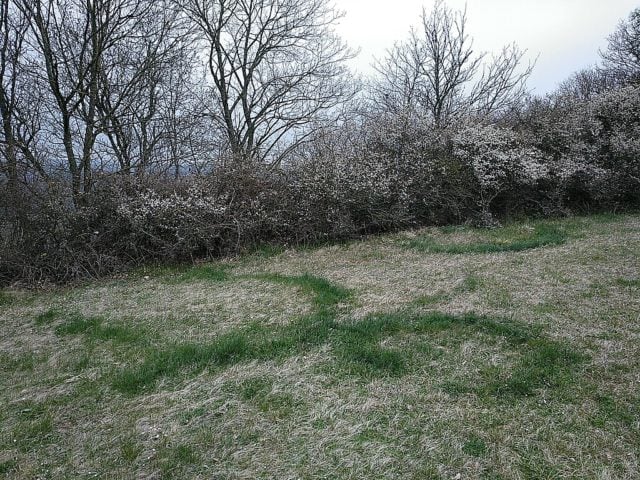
(299, 416)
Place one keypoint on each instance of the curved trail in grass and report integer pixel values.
(542, 236)
(356, 345)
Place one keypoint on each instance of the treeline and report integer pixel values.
(172, 130)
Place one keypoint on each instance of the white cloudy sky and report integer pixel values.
(564, 35)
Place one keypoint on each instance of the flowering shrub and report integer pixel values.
(499, 161)
(618, 112)
(567, 155)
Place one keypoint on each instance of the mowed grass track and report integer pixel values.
(440, 353)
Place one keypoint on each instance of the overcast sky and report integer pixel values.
(564, 35)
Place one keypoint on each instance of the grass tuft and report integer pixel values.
(208, 273)
(33, 431)
(6, 299)
(611, 409)
(268, 251)
(475, 446)
(25, 362)
(76, 324)
(8, 466)
(255, 387)
(173, 458)
(130, 450)
(628, 282)
(48, 317)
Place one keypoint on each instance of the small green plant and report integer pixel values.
(611, 409)
(255, 387)
(174, 458)
(470, 283)
(35, 429)
(475, 446)
(224, 350)
(130, 450)
(8, 466)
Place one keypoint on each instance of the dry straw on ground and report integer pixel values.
(304, 414)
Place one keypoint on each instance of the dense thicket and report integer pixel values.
(138, 130)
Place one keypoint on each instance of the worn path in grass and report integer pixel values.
(506, 353)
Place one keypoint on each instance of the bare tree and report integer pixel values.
(103, 66)
(587, 83)
(19, 101)
(11, 38)
(437, 76)
(275, 67)
(146, 69)
(622, 56)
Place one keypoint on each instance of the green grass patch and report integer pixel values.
(130, 450)
(356, 356)
(48, 317)
(259, 392)
(34, 430)
(613, 410)
(475, 447)
(6, 299)
(533, 465)
(355, 344)
(25, 362)
(325, 294)
(256, 387)
(448, 229)
(504, 239)
(279, 404)
(8, 466)
(628, 282)
(195, 413)
(470, 283)
(173, 459)
(225, 350)
(93, 329)
(544, 364)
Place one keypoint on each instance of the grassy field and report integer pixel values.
(450, 353)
